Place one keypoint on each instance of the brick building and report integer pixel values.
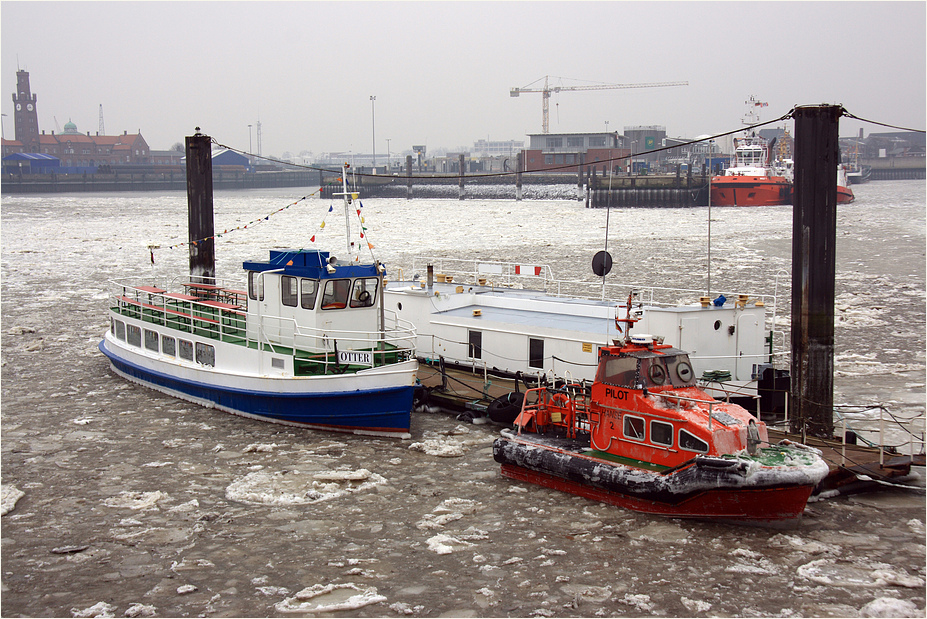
(71, 147)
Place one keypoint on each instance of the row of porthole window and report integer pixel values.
(165, 344)
(661, 433)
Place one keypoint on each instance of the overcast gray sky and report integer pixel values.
(441, 71)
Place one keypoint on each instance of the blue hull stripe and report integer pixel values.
(381, 410)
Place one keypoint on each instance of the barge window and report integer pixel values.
(475, 347)
(365, 291)
(255, 286)
(535, 353)
(205, 354)
(289, 291)
(310, 289)
(186, 350)
(618, 371)
(134, 335)
(120, 329)
(633, 428)
(151, 340)
(661, 433)
(336, 294)
(692, 443)
(168, 345)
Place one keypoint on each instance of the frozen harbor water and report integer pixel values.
(120, 501)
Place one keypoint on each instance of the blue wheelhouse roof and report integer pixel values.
(309, 263)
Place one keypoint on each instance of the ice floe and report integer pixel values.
(9, 495)
(136, 500)
(100, 609)
(330, 598)
(890, 607)
(291, 487)
(832, 573)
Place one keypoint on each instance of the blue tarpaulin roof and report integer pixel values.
(30, 157)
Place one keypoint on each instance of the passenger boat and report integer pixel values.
(307, 344)
(487, 328)
(751, 180)
(647, 438)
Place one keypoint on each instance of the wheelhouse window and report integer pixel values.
(661, 433)
(618, 371)
(535, 353)
(364, 293)
(633, 428)
(255, 286)
(475, 344)
(335, 295)
(309, 289)
(692, 443)
(680, 371)
(289, 291)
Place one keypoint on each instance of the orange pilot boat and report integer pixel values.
(646, 437)
(751, 181)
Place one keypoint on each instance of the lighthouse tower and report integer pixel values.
(26, 118)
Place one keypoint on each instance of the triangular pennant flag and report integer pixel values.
(312, 240)
(290, 263)
(331, 208)
(323, 225)
(370, 245)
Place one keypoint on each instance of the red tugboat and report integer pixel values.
(647, 438)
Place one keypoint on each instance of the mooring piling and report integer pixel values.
(200, 226)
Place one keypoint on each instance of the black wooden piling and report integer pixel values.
(460, 187)
(814, 237)
(409, 174)
(519, 166)
(200, 226)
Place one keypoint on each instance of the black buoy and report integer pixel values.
(602, 263)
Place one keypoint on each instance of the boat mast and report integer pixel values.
(347, 202)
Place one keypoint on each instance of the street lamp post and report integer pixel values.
(373, 124)
(389, 163)
(250, 160)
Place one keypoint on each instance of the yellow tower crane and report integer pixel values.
(545, 93)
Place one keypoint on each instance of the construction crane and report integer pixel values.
(545, 93)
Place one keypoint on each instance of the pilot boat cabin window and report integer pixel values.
(692, 443)
(289, 291)
(618, 371)
(309, 291)
(255, 286)
(335, 295)
(661, 433)
(365, 289)
(633, 428)
(535, 353)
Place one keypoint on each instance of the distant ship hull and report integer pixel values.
(750, 191)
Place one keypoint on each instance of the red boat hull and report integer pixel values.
(750, 191)
(761, 506)
(844, 195)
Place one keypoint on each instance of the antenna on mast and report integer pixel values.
(102, 130)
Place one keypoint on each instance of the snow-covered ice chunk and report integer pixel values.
(8, 497)
(100, 609)
(890, 607)
(330, 598)
(135, 500)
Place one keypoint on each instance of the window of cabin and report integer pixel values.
(134, 335)
(690, 442)
(119, 328)
(475, 344)
(289, 291)
(309, 291)
(680, 371)
(618, 371)
(205, 354)
(255, 286)
(335, 295)
(364, 293)
(168, 345)
(535, 353)
(186, 350)
(661, 433)
(633, 428)
(151, 340)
